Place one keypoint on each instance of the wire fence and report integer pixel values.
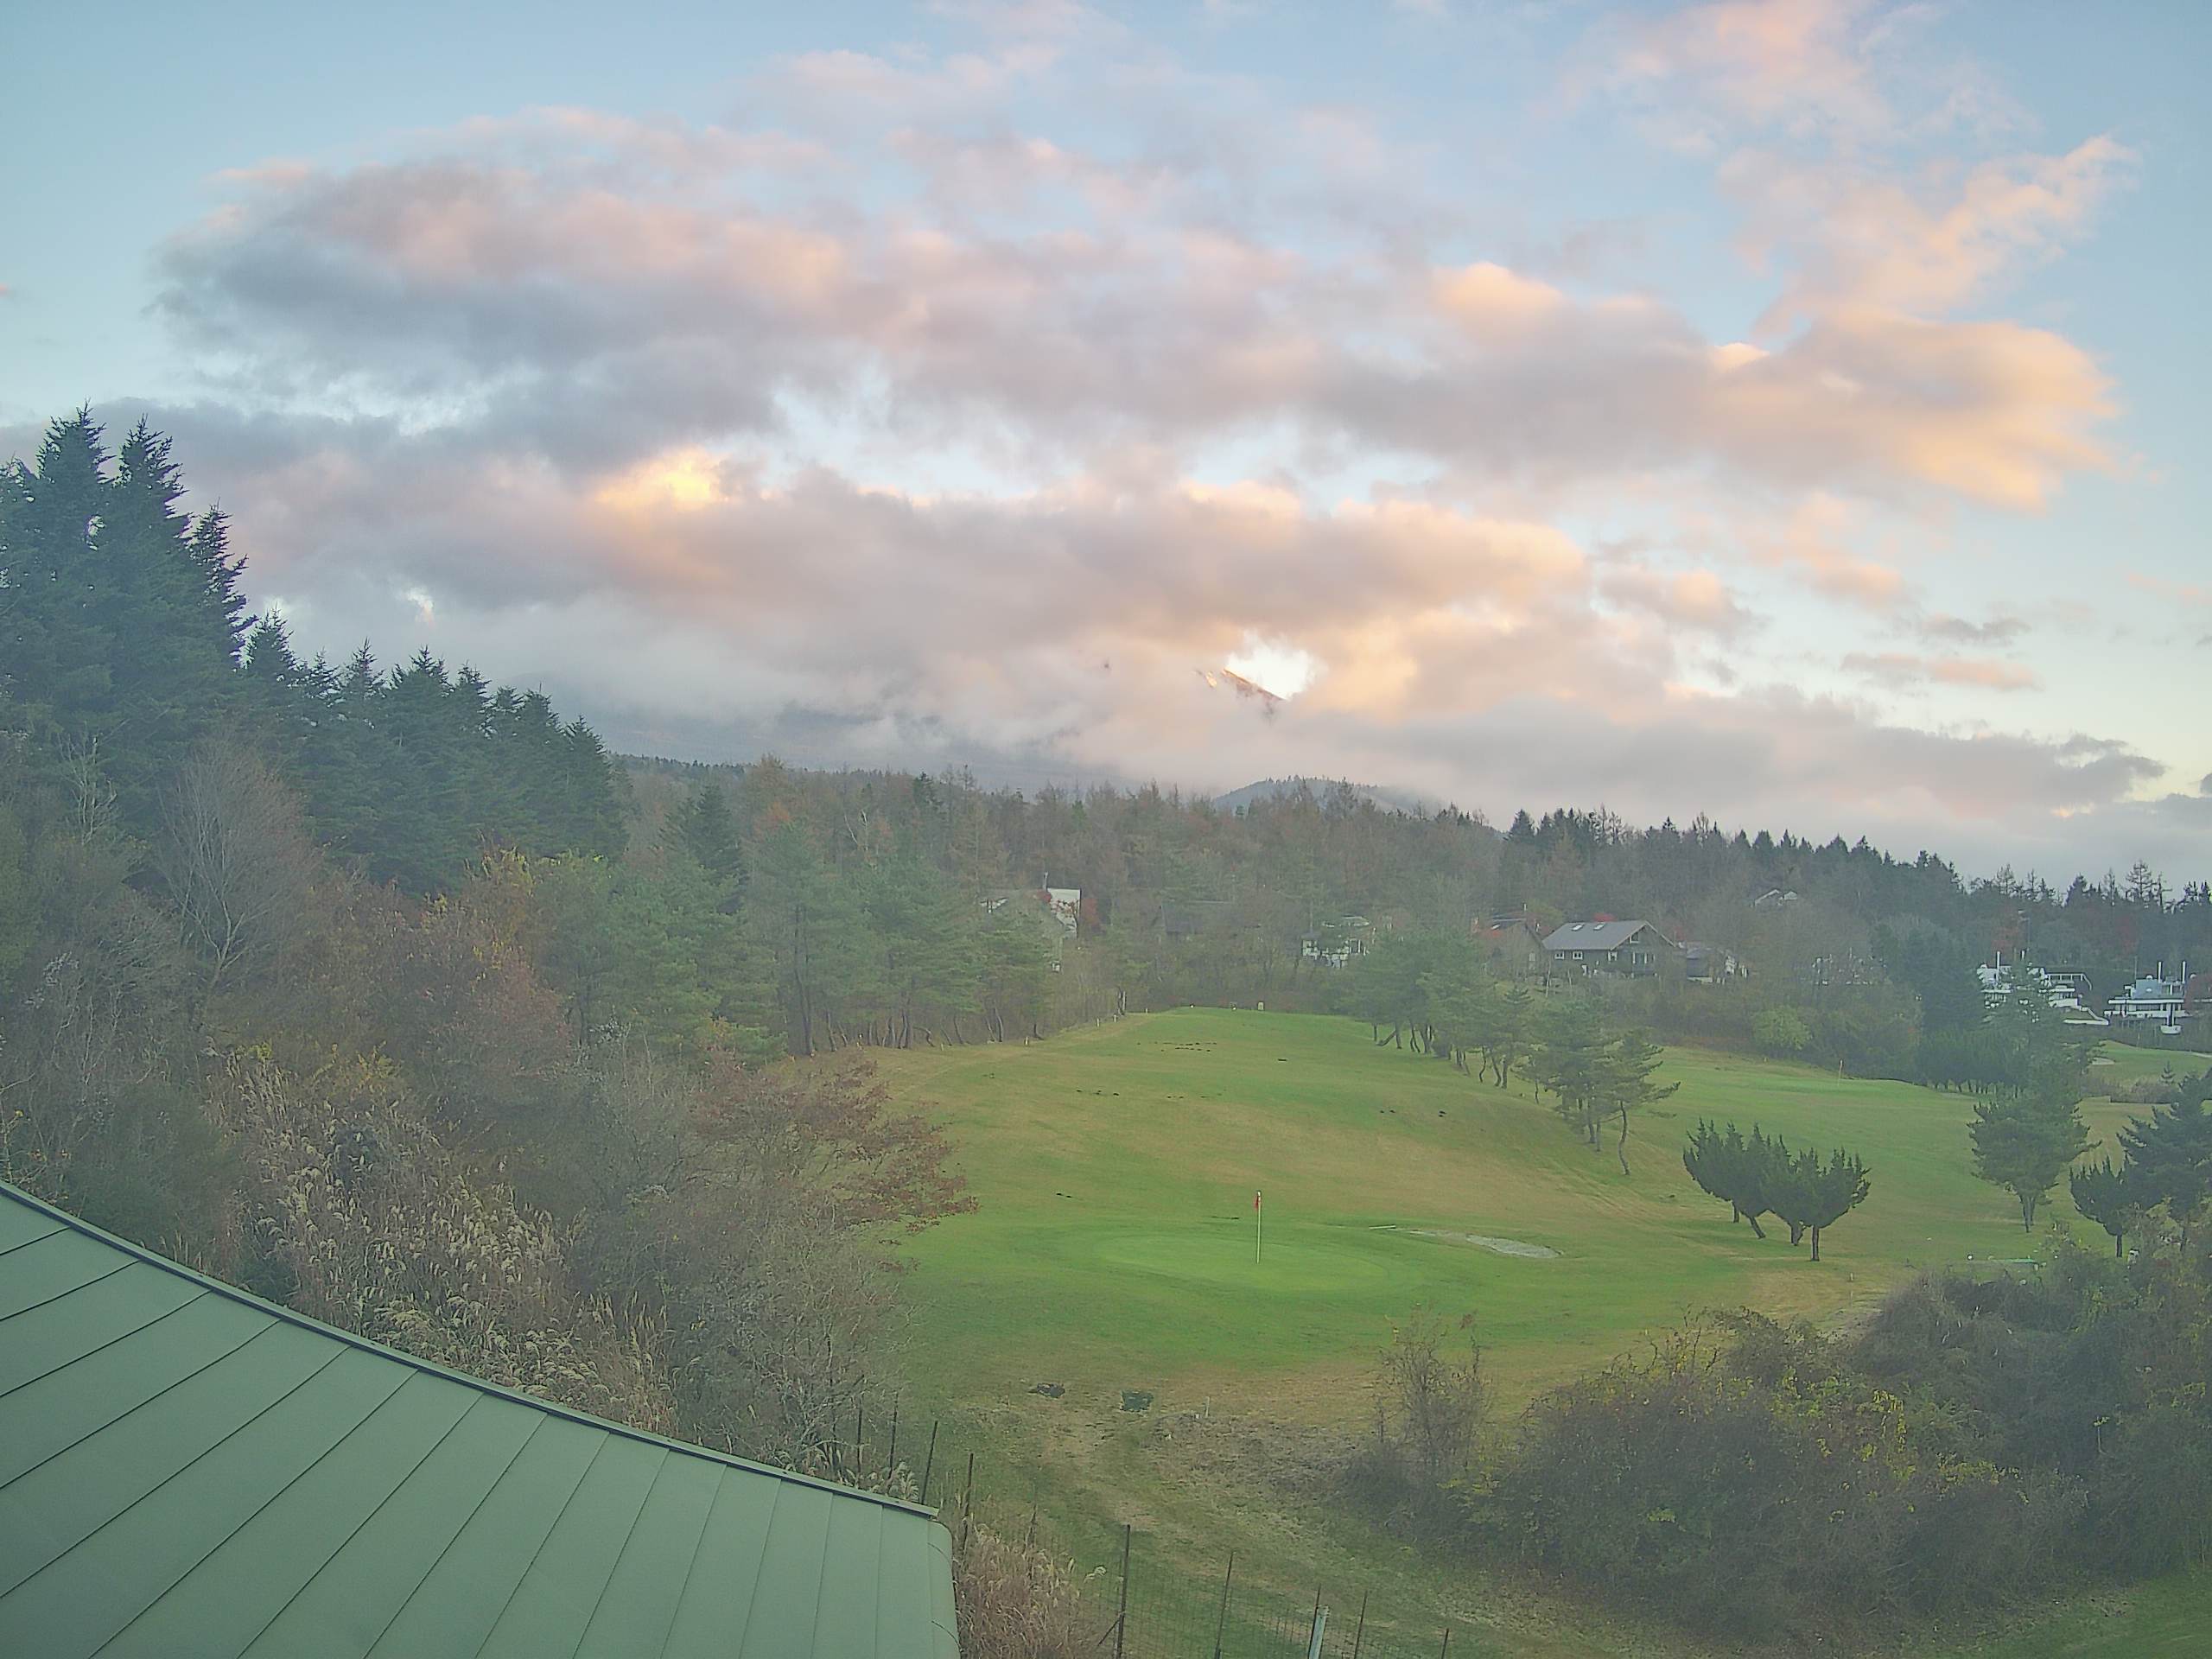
(1142, 1596)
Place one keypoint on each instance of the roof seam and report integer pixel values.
(692, 1566)
(124, 1335)
(522, 1577)
(482, 1498)
(59, 1295)
(192, 1462)
(428, 1452)
(668, 1467)
(354, 1339)
(629, 1538)
(759, 1566)
(311, 1466)
(25, 1244)
(100, 1429)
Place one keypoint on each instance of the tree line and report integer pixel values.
(374, 991)
(1440, 992)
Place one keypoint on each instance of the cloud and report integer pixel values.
(1992, 631)
(954, 407)
(1925, 245)
(2180, 593)
(1053, 635)
(1904, 670)
(588, 292)
(1816, 73)
(1692, 600)
(1800, 64)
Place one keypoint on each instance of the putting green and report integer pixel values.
(1221, 1253)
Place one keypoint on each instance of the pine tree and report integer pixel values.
(706, 830)
(2169, 1156)
(2024, 1144)
(1626, 1083)
(2106, 1196)
(1573, 1060)
(59, 646)
(1811, 1195)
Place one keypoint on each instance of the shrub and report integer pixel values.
(1018, 1600)
(368, 1224)
(1742, 1478)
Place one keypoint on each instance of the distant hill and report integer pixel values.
(1270, 789)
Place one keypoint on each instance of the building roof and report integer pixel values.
(1593, 936)
(186, 1469)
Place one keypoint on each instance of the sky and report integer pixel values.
(1787, 411)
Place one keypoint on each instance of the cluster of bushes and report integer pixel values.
(1978, 1442)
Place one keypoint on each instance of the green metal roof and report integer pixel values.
(187, 1471)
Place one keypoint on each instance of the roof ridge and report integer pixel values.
(354, 1339)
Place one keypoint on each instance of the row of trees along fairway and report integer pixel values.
(1438, 992)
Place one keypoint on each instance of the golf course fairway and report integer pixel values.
(1113, 1250)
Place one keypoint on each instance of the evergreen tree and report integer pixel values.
(2169, 1155)
(1625, 1084)
(2024, 1144)
(1573, 1059)
(1811, 1195)
(1747, 1175)
(807, 918)
(706, 829)
(2106, 1196)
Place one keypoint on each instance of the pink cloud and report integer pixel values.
(1904, 670)
(1918, 245)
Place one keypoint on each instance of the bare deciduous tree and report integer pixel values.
(235, 858)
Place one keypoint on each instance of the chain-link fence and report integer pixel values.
(1139, 1596)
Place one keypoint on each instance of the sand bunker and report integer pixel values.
(1481, 1241)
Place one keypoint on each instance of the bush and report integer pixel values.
(371, 1225)
(1781, 1033)
(1977, 1441)
(1428, 1410)
(1742, 1479)
(1018, 1600)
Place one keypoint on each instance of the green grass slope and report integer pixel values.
(1116, 1166)
(1113, 1247)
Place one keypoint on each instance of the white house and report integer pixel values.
(2065, 992)
(2153, 997)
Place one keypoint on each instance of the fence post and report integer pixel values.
(929, 1462)
(1359, 1630)
(1121, 1618)
(1447, 1644)
(1320, 1623)
(968, 1502)
(1221, 1619)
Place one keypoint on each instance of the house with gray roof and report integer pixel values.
(1633, 949)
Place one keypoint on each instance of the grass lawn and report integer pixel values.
(1113, 1250)
(2120, 1064)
